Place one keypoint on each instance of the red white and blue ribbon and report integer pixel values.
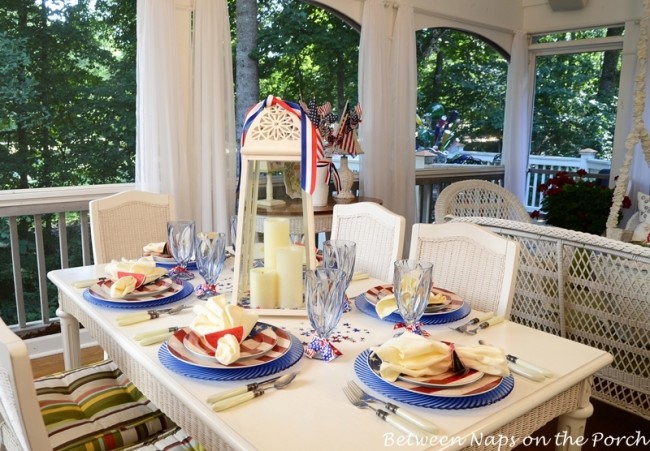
(206, 290)
(323, 348)
(332, 173)
(416, 328)
(179, 271)
(311, 144)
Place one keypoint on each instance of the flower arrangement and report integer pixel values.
(339, 136)
(444, 130)
(437, 130)
(576, 203)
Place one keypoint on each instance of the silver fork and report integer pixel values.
(399, 411)
(396, 421)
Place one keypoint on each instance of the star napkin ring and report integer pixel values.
(321, 349)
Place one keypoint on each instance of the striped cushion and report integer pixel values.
(97, 408)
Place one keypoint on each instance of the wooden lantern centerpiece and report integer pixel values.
(274, 131)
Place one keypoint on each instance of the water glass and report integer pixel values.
(210, 254)
(180, 236)
(412, 286)
(324, 297)
(340, 254)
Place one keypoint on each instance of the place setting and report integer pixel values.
(135, 284)
(162, 255)
(443, 306)
(413, 368)
(227, 342)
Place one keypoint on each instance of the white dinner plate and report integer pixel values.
(260, 341)
(455, 388)
(455, 302)
(176, 346)
(160, 259)
(160, 289)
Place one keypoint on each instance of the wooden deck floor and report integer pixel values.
(54, 363)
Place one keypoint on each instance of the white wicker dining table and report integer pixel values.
(313, 412)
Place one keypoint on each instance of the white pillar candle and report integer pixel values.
(264, 288)
(276, 235)
(290, 285)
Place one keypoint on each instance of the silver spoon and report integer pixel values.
(278, 384)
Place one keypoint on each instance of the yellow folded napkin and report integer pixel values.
(159, 249)
(228, 350)
(127, 275)
(414, 355)
(388, 304)
(123, 286)
(217, 315)
(484, 358)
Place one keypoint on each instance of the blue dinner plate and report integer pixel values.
(182, 294)
(366, 307)
(372, 380)
(214, 374)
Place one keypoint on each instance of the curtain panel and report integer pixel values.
(387, 64)
(185, 138)
(517, 119)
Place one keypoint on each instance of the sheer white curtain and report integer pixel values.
(517, 120)
(213, 162)
(375, 137)
(185, 142)
(387, 64)
(404, 104)
(162, 115)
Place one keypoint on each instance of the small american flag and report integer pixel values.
(325, 109)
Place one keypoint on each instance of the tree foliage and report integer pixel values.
(462, 73)
(68, 92)
(67, 114)
(304, 50)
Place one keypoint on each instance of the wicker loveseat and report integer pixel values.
(589, 289)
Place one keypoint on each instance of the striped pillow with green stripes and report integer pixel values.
(97, 408)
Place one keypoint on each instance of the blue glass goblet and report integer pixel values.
(210, 254)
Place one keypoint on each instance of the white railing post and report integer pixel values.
(585, 156)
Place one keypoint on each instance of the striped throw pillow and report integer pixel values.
(96, 407)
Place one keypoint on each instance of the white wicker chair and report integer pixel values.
(121, 224)
(479, 198)
(103, 407)
(590, 289)
(471, 261)
(378, 232)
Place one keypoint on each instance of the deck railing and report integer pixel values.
(31, 219)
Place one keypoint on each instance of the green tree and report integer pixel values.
(305, 50)
(464, 73)
(69, 101)
(67, 110)
(576, 98)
